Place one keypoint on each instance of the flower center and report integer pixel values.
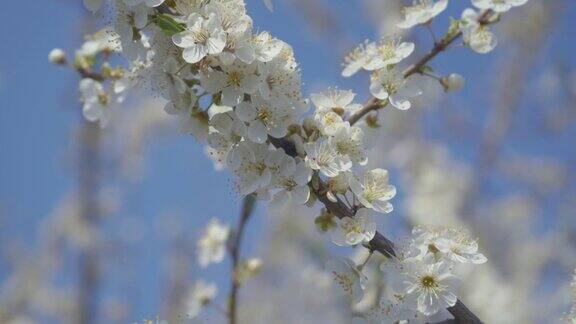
(372, 193)
(264, 114)
(201, 36)
(103, 99)
(235, 78)
(429, 282)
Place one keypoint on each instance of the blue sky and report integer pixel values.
(39, 114)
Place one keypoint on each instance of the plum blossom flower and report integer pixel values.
(337, 185)
(374, 192)
(226, 131)
(293, 185)
(390, 84)
(266, 47)
(97, 101)
(478, 37)
(321, 156)
(451, 244)
(265, 118)
(212, 244)
(358, 58)
(280, 79)
(389, 51)
(347, 276)
(233, 81)
(201, 295)
(339, 101)
(191, 118)
(202, 36)
(422, 12)
(357, 230)
(427, 286)
(349, 146)
(249, 162)
(499, 6)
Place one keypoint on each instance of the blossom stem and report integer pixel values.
(432, 34)
(247, 208)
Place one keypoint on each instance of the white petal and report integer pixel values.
(245, 111)
(257, 132)
(301, 194)
(231, 96)
(194, 54)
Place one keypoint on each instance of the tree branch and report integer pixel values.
(247, 208)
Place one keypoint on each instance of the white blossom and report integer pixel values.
(337, 185)
(346, 276)
(265, 118)
(357, 230)
(389, 51)
(348, 144)
(499, 6)
(97, 101)
(450, 244)
(374, 192)
(212, 244)
(266, 47)
(293, 185)
(339, 101)
(428, 286)
(201, 294)
(280, 79)
(203, 36)
(234, 81)
(478, 37)
(249, 162)
(422, 12)
(321, 156)
(358, 58)
(226, 131)
(192, 119)
(391, 84)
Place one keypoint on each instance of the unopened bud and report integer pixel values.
(453, 82)
(253, 265)
(57, 56)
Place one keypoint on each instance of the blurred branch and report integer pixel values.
(246, 212)
(88, 178)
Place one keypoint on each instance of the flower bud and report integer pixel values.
(253, 265)
(57, 56)
(453, 82)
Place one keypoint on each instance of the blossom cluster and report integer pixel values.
(421, 275)
(239, 91)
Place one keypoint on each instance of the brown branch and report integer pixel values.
(439, 47)
(88, 73)
(236, 242)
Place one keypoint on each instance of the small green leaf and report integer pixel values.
(168, 25)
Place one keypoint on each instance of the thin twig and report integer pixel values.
(247, 208)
